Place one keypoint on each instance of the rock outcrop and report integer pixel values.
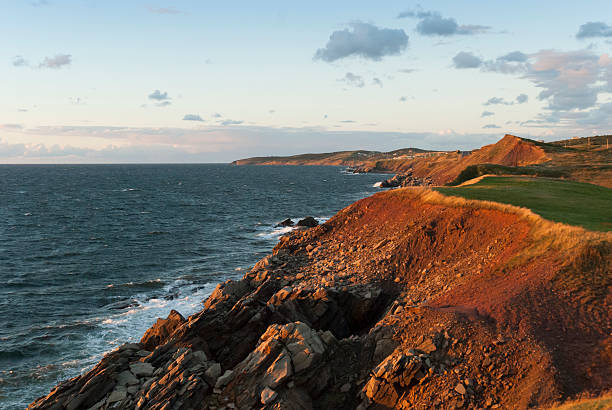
(405, 179)
(398, 301)
(287, 222)
(158, 333)
(308, 222)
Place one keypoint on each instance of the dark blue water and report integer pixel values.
(90, 256)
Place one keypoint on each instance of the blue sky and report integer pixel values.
(192, 81)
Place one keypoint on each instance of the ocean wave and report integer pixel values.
(274, 232)
(153, 284)
(106, 331)
(131, 323)
(122, 304)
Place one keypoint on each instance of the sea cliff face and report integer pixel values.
(405, 299)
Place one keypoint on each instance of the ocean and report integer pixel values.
(92, 255)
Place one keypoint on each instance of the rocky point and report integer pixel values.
(396, 302)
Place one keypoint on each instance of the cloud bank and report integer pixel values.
(213, 144)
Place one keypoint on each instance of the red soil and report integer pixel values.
(509, 151)
(459, 261)
(476, 299)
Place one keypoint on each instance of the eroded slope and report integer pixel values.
(406, 299)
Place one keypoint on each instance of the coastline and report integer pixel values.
(167, 249)
(382, 305)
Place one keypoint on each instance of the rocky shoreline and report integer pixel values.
(399, 180)
(396, 302)
(406, 179)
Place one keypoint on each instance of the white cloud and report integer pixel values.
(465, 59)
(57, 61)
(159, 96)
(19, 61)
(192, 117)
(364, 40)
(353, 80)
(569, 80)
(431, 23)
(594, 29)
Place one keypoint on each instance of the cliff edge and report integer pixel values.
(406, 299)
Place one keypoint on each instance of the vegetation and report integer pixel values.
(569, 202)
(475, 171)
(593, 142)
(600, 403)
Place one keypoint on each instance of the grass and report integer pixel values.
(577, 248)
(600, 403)
(569, 202)
(474, 171)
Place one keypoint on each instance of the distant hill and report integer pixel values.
(582, 159)
(444, 168)
(441, 166)
(344, 158)
(597, 141)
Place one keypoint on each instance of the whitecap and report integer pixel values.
(275, 232)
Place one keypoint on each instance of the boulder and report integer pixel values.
(224, 379)
(287, 357)
(116, 395)
(428, 346)
(460, 388)
(268, 395)
(140, 369)
(213, 372)
(160, 332)
(393, 375)
(126, 378)
(279, 371)
(308, 222)
(285, 223)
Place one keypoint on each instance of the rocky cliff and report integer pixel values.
(406, 299)
(445, 167)
(439, 167)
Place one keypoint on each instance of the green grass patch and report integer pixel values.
(573, 203)
(474, 171)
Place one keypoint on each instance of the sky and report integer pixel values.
(92, 81)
